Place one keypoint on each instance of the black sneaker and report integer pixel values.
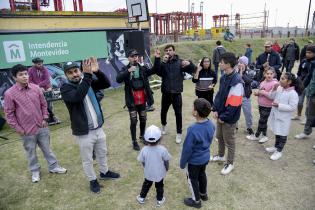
(204, 197)
(53, 121)
(135, 146)
(94, 186)
(109, 175)
(250, 131)
(190, 202)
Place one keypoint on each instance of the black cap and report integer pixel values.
(37, 60)
(70, 65)
(132, 52)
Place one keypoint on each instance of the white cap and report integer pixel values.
(152, 134)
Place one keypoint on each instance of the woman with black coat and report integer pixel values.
(205, 79)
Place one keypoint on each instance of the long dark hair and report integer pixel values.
(201, 63)
(294, 82)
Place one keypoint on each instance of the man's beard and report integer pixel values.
(76, 80)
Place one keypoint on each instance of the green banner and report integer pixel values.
(51, 47)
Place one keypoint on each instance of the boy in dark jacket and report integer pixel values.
(196, 152)
(137, 92)
(86, 117)
(227, 109)
(302, 73)
(309, 84)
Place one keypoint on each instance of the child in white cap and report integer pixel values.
(155, 160)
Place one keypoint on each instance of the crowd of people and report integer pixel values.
(279, 94)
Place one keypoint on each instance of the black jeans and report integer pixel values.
(208, 95)
(280, 142)
(140, 109)
(264, 113)
(159, 186)
(197, 179)
(176, 100)
(289, 65)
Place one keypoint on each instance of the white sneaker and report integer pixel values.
(313, 146)
(217, 158)
(35, 176)
(227, 169)
(296, 117)
(178, 138)
(276, 155)
(252, 137)
(303, 122)
(313, 161)
(160, 203)
(271, 149)
(211, 158)
(301, 136)
(58, 170)
(263, 139)
(140, 200)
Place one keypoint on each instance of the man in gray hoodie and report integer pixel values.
(217, 52)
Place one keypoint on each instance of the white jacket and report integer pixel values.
(280, 117)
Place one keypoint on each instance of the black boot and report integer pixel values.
(135, 145)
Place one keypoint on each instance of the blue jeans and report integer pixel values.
(247, 110)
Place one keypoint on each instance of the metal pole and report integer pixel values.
(308, 15)
(276, 17)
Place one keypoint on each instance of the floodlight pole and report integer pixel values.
(308, 16)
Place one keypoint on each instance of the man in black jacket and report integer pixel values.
(86, 116)
(172, 74)
(137, 91)
(269, 58)
(290, 53)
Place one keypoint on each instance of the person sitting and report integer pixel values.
(228, 36)
(39, 75)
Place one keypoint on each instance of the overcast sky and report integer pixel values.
(281, 12)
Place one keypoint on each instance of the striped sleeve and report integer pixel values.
(235, 96)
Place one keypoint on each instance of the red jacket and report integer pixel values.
(276, 48)
(39, 77)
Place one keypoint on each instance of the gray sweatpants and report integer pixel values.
(226, 137)
(42, 139)
(247, 110)
(94, 140)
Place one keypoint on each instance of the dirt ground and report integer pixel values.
(256, 183)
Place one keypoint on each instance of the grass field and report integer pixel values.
(256, 183)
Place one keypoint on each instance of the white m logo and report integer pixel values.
(14, 51)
